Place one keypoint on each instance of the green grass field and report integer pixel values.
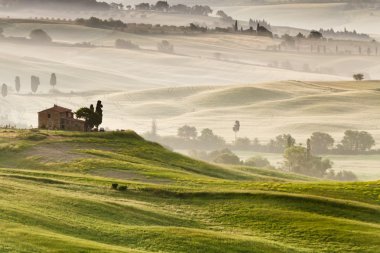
(56, 196)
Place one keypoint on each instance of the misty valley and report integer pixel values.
(189, 126)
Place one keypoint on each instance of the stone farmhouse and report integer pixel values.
(60, 118)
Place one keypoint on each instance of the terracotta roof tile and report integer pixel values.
(58, 109)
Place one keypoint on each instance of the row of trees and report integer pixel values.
(353, 142)
(34, 84)
(297, 159)
(101, 23)
(163, 6)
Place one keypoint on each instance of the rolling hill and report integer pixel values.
(56, 196)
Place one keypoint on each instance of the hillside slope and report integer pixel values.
(56, 196)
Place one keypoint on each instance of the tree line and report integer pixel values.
(297, 159)
(188, 137)
(34, 84)
(353, 142)
(163, 6)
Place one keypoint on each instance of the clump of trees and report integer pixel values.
(256, 22)
(356, 142)
(100, 23)
(125, 44)
(163, 6)
(358, 77)
(92, 116)
(321, 143)
(188, 137)
(299, 159)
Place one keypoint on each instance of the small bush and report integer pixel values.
(344, 176)
(123, 188)
(114, 186)
(227, 158)
(257, 161)
(165, 46)
(34, 137)
(9, 147)
(125, 44)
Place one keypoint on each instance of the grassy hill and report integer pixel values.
(56, 196)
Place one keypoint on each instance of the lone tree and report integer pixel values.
(40, 36)
(93, 117)
(308, 149)
(153, 131)
(17, 84)
(34, 82)
(358, 77)
(53, 80)
(236, 128)
(99, 112)
(4, 90)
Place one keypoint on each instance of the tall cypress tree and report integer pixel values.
(17, 84)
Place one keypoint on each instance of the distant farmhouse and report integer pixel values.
(60, 118)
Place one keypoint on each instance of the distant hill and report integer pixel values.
(54, 4)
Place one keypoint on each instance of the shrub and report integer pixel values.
(34, 136)
(125, 44)
(114, 186)
(165, 46)
(344, 175)
(257, 161)
(123, 188)
(227, 158)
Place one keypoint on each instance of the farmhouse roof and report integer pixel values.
(57, 109)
